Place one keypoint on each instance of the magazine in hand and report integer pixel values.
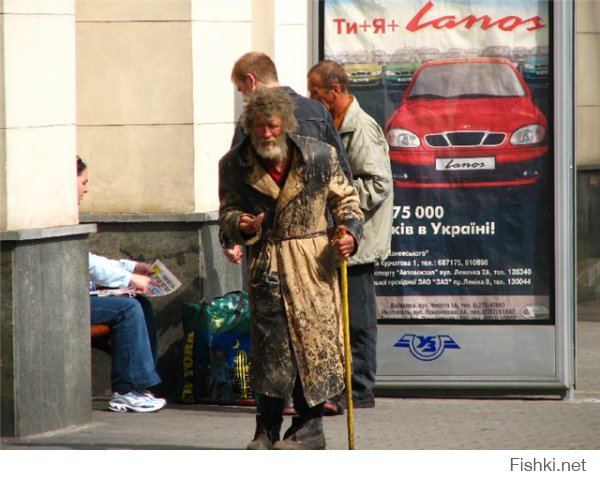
(166, 282)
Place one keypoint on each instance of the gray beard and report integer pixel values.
(275, 151)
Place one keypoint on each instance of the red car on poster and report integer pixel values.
(467, 122)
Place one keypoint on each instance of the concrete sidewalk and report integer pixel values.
(395, 423)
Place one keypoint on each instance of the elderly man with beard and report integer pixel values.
(256, 70)
(275, 189)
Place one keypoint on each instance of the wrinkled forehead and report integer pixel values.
(268, 120)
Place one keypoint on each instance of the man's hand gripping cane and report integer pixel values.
(344, 243)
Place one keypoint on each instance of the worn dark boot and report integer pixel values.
(264, 437)
(303, 435)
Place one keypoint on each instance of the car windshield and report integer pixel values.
(361, 58)
(467, 80)
(403, 58)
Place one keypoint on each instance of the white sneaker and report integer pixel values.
(134, 401)
(148, 393)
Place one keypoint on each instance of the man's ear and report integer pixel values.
(250, 81)
(335, 87)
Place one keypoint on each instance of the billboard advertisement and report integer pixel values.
(463, 91)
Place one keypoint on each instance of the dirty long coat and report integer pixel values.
(293, 286)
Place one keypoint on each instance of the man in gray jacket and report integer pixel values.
(367, 152)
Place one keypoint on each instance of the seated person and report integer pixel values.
(132, 323)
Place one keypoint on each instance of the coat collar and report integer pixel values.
(261, 181)
(349, 122)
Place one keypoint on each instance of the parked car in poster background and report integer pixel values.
(363, 69)
(467, 122)
(520, 54)
(536, 65)
(381, 57)
(428, 53)
(454, 52)
(400, 70)
(340, 57)
(473, 52)
(500, 51)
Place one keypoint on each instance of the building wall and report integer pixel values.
(155, 105)
(44, 309)
(221, 32)
(44, 330)
(587, 148)
(37, 84)
(135, 105)
(587, 80)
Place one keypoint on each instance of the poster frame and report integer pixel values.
(563, 293)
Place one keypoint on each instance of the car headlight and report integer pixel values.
(389, 72)
(377, 72)
(528, 66)
(398, 137)
(529, 135)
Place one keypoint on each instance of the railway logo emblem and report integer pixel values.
(426, 347)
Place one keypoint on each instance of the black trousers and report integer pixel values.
(362, 307)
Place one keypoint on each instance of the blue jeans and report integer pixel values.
(133, 340)
(362, 307)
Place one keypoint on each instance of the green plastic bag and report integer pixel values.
(215, 351)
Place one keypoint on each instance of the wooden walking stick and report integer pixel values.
(347, 350)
